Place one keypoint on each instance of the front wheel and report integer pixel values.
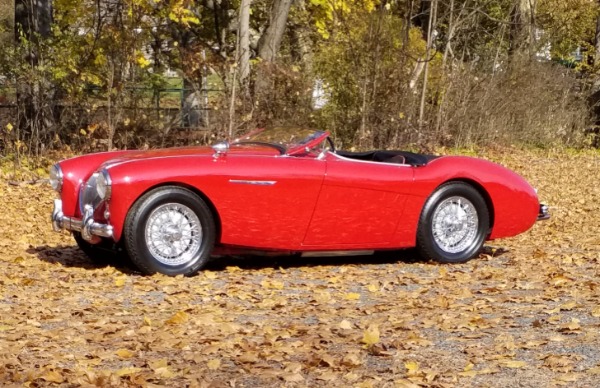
(170, 230)
(454, 224)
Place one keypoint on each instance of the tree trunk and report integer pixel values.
(268, 45)
(522, 34)
(34, 19)
(422, 19)
(244, 41)
(302, 46)
(430, 27)
(190, 104)
(7, 20)
(597, 43)
(34, 16)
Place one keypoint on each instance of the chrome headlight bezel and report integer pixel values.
(104, 185)
(56, 178)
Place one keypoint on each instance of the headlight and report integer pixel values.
(103, 185)
(56, 178)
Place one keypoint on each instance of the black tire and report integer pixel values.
(455, 205)
(105, 252)
(145, 217)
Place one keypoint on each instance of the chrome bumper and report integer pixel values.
(86, 226)
(544, 213)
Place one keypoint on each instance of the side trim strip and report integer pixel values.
(258, 183)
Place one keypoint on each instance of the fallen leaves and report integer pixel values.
(513, 364)
(124, 353)
(371, 335)
(213, 364)
(178, 318)
(525, 311)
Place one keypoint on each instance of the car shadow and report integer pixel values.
(72, 256)
(297, 261)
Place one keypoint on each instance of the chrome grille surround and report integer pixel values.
(91, 208)
(88, 195)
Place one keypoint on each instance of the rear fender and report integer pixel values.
(512, 202)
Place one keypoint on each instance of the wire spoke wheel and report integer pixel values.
(170, 230)
(455, 224)
(173, 234)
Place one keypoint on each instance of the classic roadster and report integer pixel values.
(285, 190)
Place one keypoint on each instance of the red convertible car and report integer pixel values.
(285, 190)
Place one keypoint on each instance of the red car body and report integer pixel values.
(305, 199)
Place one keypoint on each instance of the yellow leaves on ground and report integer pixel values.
(526, 311)
(571, 327)
(412, 367)
(214, 364)
(125, 353)
(352, 360)
(53, 376)
(161, 368)
(371, 335)
(594, 371)
(128, 371)
(373, 287)
(352, 296)
(120, 281)
(513, 364)
(178, 318)
(274, 284)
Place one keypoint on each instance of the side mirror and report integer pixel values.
(220, 148)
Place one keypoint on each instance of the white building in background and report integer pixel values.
(544, 53)
(320, 96)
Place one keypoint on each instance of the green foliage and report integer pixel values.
(368, 54)
(569, 25)
(328, 14)
(366, 65)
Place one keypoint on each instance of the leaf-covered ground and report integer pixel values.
(526, 313)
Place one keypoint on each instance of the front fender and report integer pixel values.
(133, 179)
(76, 170)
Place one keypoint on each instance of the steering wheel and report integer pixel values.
(331, 144)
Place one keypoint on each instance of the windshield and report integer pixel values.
(290, 138)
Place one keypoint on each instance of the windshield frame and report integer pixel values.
(297, 146)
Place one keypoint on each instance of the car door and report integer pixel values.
(360, 204)
(267, 201)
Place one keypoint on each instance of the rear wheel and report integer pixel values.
(171, 231)
(454, 224)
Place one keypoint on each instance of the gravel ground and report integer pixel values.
(523, 314)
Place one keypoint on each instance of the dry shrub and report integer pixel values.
(282, 94)
(535, 103)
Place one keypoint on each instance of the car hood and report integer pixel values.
(179, 152)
